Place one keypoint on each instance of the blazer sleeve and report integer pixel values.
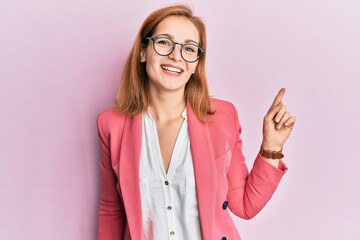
(111, 214)
(249, 192)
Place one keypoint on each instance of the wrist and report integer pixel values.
(271, 147)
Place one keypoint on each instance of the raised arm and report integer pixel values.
(249, 192)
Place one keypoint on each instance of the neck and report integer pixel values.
(167, 106)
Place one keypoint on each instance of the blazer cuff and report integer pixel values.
(268, 170)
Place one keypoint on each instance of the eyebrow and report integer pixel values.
(172, 37)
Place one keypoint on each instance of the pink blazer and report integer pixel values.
(222, 179)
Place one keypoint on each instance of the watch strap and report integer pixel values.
(271, 154)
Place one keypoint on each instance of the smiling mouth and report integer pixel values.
(172, 69)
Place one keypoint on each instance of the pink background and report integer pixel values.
(60, 62)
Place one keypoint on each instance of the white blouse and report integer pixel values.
(169, 202)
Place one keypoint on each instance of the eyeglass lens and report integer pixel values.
(164, 46)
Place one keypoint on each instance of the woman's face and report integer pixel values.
(170, 73)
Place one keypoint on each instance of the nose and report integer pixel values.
(176, 54)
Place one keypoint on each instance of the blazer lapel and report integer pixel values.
(205, 172)
(129, 174)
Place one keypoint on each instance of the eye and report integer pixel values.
(163, 42)
(190, 48)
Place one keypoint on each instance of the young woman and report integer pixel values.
(171, 157)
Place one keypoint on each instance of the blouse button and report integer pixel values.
(225, 205)
(223, 238)
(169, 207)
(172, 233)
(166, 183)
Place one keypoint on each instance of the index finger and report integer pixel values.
(278, 97)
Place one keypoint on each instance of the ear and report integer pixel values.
(143, 54)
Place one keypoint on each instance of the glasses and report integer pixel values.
(164, 46)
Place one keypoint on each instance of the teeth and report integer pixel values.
(171, 69)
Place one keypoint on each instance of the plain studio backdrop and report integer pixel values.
(60, 64)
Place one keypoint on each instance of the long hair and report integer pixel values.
(133, 93)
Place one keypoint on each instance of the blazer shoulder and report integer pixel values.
(222, 106)
(225, 112)
(110, 118)
(110, 113)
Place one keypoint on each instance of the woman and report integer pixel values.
(171, 157)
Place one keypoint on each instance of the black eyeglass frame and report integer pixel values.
(153, 39)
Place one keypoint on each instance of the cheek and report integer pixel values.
(150, 70)
(151, 66)
(192, 67)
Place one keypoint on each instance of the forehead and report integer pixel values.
(178, 26)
